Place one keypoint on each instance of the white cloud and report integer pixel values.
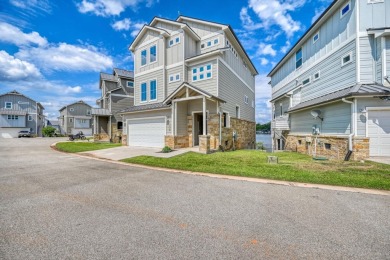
(69, 90)
(136, 28)
(12, 34)
(122, 25)
(32, 6)
(265, 49)
(264, 61)
(286, 47)
(110, 7)
(12, 69)
(66, 57)
(273, 12)
(263, 96)
(263, 89)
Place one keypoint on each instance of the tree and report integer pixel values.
(48, 131)
(263, 127)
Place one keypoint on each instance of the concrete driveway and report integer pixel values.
(380, 159)
(59, 206)
(123, 152)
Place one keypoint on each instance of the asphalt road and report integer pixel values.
(58, 206)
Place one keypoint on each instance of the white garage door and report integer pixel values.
(148, 132)
(10, 132)
(379, 132)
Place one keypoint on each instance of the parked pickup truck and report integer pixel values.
(24, 133)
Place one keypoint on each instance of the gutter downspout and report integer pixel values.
(352, 131)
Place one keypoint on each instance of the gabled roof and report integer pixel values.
(124, 73)
(77, 102)
(144, 29)
(106, 76)
(183, 26)
(182, 18)
(374, 90)
(207, 54)
(14, 92)
(183, 85)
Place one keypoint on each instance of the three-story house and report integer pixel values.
(76, 117)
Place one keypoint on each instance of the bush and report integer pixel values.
(166, 149)
(260, 146)
(48, 131)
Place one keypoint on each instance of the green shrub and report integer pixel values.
(166, 149)
(260, 146)
(48, 131)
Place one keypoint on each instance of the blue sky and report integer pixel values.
(53, 51)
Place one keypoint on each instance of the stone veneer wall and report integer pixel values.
(116, 135)
(176, 142)
(337, 150)
(124, 139)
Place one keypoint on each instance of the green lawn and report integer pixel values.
(76, 147)
(292, 167)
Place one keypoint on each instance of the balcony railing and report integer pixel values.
(281, 123)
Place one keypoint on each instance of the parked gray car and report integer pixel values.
(24, 133)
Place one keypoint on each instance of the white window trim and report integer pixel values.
(246, 99)
(341, 9)
(150, 56)
(227, 119)
(174, 78)
(150, 81)
(307, 83)
(375, 1)
(127, 83)
(29, 118)
(239, 111)
(174, 41)
(209, 40)
(140, 92)
(146, 62)
(319, 75)
(295, 56)
(204, 72)
(12, 117)
(5, 105)
(281, 109)
(317, 33)
(253, 103)
(348, 62)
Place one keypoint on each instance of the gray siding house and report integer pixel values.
(194, 85)
(117, 94)
(331, 91)
(19, 112)
(76, 117)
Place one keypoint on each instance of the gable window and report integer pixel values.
(71, 109)
(153, 90)
(316, 76)
(70, 120)
(246, 100)
(143, 57)
(316, 37)
(8, 105)
(153, 53)
(237, 111)
(298, 58)
(143, 92)
(174, 41)
(202, 73)
(345, 9)
(12, 117)
(88, 112)
(216, 41)
(130, 84)
(174, 77)
(306, 81)
(346, 59)
(209, 43)
(30, 118)
(202, 46)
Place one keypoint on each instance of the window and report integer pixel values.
(202, 46)
(153, 53)
(83, 121)
(30, 118)
(328, 146)
(177, 40)
(253, 103)
(209, 43)
(174, 41)
(201, 73)
(153, 90)
(174, 77)
(130, 84)
(281, 109)
(316, 76)
(306, 81)
(70, 120)
(143, 92)
(316, 37)
(246, 100)
(71, 109)
(226, 121)
(296, 97)
(8, 105)
(215, 41)
(12, 117)
(298, 58)
(171, 42)
(345, 9)
(119, 125)
(237, 112)
(346, 59)
(143, 57)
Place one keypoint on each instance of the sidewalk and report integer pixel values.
(123, 152)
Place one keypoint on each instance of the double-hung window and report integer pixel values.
(143, 92)
(298, 58)
(143, 57)
(153, 90)
(8, 105)
(153, 53)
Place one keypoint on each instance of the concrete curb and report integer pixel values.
(237, 178)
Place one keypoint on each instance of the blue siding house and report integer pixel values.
(331, 91)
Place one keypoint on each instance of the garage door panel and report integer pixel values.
(148, 132)
(379, 132)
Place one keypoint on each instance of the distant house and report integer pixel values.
(76, 117)
(55, 124)
(194, 86)
(19, 112)
(331, 91)
(117, 93)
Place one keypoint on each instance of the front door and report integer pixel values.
(198, 127)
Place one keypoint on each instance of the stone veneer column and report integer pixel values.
(204, 143)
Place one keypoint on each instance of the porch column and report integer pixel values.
(204, 116)
(94, 124)
(173, 126)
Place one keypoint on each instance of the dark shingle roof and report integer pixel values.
(124, 73)
(356, 90)
(145, 107)
(107, 76)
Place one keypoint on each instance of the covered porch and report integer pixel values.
(101, 124)
(195, 119)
